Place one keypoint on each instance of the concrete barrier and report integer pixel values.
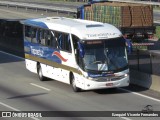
(145, 80)
(155, 83)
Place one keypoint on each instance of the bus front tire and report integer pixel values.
(40, 74)
(73, 83)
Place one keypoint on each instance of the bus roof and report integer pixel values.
(84, 29)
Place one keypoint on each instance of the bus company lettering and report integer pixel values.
(100, 35)
(37, 52)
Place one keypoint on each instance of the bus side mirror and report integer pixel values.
(129, 45)
(81, 50)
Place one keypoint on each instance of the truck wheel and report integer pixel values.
(73, 83)
(40, 74)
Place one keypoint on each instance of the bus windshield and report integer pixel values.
(105, 55)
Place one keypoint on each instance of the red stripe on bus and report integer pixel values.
(59, 56)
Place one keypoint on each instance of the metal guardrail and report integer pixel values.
(38, 6)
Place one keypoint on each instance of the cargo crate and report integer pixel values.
(120, 14)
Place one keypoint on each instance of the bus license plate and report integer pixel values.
(109, 84)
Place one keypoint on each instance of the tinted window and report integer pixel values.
(64, 41)
(31, 34)
(48, 38)
(53, 39)
(28, 33)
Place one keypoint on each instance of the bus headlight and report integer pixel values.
(126, 75)
(87, 77)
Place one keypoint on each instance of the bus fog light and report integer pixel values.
(128, 81)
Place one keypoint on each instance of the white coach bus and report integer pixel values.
(86, 54)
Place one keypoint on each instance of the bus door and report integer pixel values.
(65, 54)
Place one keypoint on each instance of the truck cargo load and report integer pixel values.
(134, 20)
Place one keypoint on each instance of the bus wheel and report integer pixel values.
(40, 74)
(73, 83)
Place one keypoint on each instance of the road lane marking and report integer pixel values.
(12, 108)
(40, 86)
(145, 96)
(23, 59)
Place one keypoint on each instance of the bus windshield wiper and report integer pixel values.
(108, 59)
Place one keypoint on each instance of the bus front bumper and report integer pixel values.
(91, 84)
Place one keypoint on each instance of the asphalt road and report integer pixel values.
(49, 2)
(20, 90)
(12, 13)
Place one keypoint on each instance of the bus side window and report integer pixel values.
(75, 40)
(28, 33)
(59, 40)
(38, 35)
(79, 60)
(53, 39)
(42, 37)
(48, 38)
(33, 35)
(67, 42)
(64, 42)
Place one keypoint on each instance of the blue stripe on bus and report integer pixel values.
(100, 75)
(42, 51)
(35, 23)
